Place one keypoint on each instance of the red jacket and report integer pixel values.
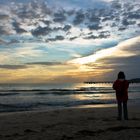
(121, 87)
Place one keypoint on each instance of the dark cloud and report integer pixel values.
(2, 41)
(127, 64)
(67, 28)
(45, 63)
(114, 24)
(42, 6)
(26, 13)
(90, 33)
(116, 5)
(107, 18)
(29, 10)
(13, 41)
(13, 66)
(129, 6)
(125, 22)
(34, 14)
(103, 34)
(41, 31)
(91, 37)
(17, 28)
(70, 12)
(59, 37)
(79, 18)
(93, 15)
(72, 38)
(118, 61)
(47, 22)
(122, 28)
(94, 27)
(57, 29)
(134, 15)
(59, 17)
(3, 17)
(4, 31)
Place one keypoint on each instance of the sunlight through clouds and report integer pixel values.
(123, 49)
(68, 40)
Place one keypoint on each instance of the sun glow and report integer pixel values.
(121, 50)
(94, 57)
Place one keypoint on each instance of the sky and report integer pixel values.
(68, 41)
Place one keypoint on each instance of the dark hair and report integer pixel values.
(121, 75)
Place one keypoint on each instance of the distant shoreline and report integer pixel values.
(107, 82)
(132, 81)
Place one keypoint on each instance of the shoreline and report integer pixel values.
(62, 108)
(51, 109)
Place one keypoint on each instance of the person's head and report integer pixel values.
(121, 75)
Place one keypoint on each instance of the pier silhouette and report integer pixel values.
(131, 81)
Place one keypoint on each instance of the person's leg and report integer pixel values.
(119, 110)
(125, 112)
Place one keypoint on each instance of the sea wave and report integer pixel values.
(8, 94)
(32, 106)
(54, 92)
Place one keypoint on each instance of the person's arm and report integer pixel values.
(126, 85)
(114, 86)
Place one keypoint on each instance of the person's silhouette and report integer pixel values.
(121, 87)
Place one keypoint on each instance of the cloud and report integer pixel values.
(41, 31)
(91, 37)
(106, 18)
(32, 9)
(59, 17)
(17, 28)
(72, 38)
(116, 5)
(94, 15)
(47, 22)
(4, 31)
(45, 63)
(101, 35)
(44, 19)
(79, 18)
(125, 22)
(14, 67)
(2, 41)
(125, 56)
(44, 31)
(67, 28)
(35, 33)
(122, 28)
(27, 50)
(5, 42)
(3, 17)
(94, 27)
(58, 37)
(133, 15)
(123, 49)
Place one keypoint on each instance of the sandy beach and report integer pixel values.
(70, 124)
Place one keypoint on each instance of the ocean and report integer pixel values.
(29, 97)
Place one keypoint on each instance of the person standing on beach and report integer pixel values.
(121, 87)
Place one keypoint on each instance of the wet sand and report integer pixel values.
(70, 124)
